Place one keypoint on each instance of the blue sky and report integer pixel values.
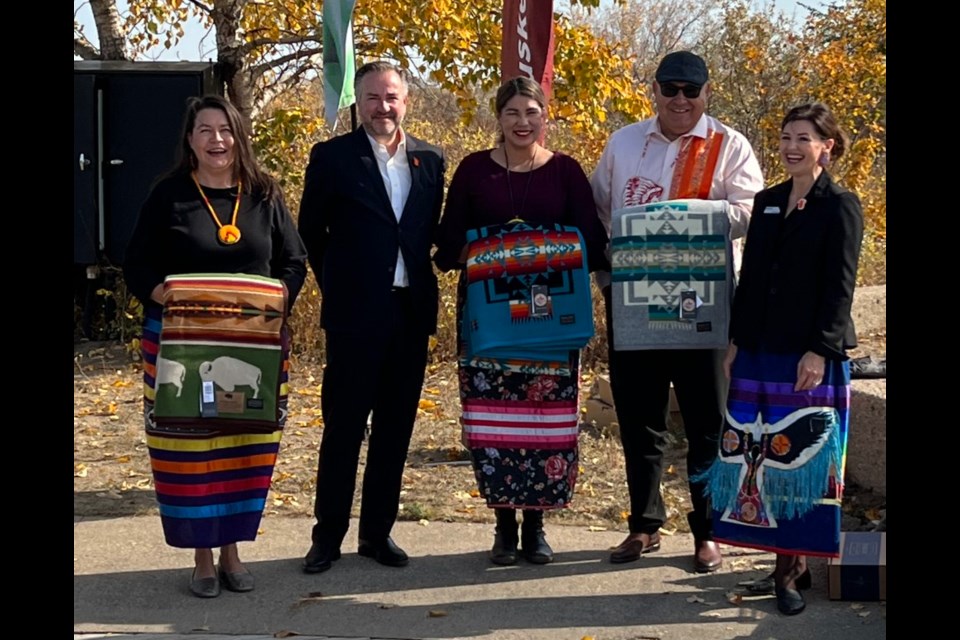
(198, 46)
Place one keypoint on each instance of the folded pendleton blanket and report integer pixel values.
(672, 275)
(528, 292)
(220, 358)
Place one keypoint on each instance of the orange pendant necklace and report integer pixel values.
(227, 233)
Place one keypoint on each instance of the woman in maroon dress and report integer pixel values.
(519, 179)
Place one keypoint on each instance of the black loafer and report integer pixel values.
(320, 558)
(789, 601)
(238, 582)
(204, 587)
(385, 552)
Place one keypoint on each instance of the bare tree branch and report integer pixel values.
(277, 62)
(263, 42)
(201, 6)
(83, 48)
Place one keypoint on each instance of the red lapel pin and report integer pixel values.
(416, 161)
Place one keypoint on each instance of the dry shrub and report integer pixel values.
(308, 339)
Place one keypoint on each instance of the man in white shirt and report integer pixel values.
(370, 208)
(679, 153)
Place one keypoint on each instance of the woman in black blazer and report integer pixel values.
(778, 479)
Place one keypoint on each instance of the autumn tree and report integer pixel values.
(266, 46)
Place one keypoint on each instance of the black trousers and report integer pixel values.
(640, 382)
(383, 374)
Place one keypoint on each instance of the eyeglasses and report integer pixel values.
(690, 91)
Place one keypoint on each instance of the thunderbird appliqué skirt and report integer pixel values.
(777, 482)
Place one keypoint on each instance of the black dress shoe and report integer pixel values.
(635, 545)
(385, 552)
(789, 601)
(765, 586)
(320, 558)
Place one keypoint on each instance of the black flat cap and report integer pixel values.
(683, 66)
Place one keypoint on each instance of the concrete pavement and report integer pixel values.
(129, 585)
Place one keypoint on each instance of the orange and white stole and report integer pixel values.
(693, 170)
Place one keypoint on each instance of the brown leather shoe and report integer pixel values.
(707, 557)
(634, 545)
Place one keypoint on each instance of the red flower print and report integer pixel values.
(556, 468)
(541, 387)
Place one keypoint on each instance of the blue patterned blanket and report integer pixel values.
(528, 292)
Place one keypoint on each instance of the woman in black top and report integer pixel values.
(216, 212)
(778, 479)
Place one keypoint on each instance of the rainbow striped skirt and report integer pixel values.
(212, 474)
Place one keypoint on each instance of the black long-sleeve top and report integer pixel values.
(175, 233)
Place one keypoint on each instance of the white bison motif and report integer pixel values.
(170, 372)
(229, 373)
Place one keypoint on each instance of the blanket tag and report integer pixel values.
(230, 402)
(539, 301)
(208, 400)
(771, 209)
(688, 305)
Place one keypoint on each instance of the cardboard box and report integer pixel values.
(598, 412)
(601, 389)
(860, 573)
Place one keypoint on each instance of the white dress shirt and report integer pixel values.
(395, 171)
(636, 167)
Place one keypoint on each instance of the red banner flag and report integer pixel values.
(528, 41)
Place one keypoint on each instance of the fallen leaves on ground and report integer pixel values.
(112, 474)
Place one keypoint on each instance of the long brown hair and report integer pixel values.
(245, 165)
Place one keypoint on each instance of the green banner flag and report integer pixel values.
(338, 63)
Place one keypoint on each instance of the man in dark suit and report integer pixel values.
(370, 207)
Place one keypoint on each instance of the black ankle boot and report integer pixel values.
(505, 539)
(533, 541)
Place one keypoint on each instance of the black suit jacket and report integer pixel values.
(352, 236)
(799, 272)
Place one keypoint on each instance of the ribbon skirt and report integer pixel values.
(777, 482)
(211, 486)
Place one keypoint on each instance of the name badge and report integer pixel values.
(771, 209)
(539, 301)
(689, 303)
